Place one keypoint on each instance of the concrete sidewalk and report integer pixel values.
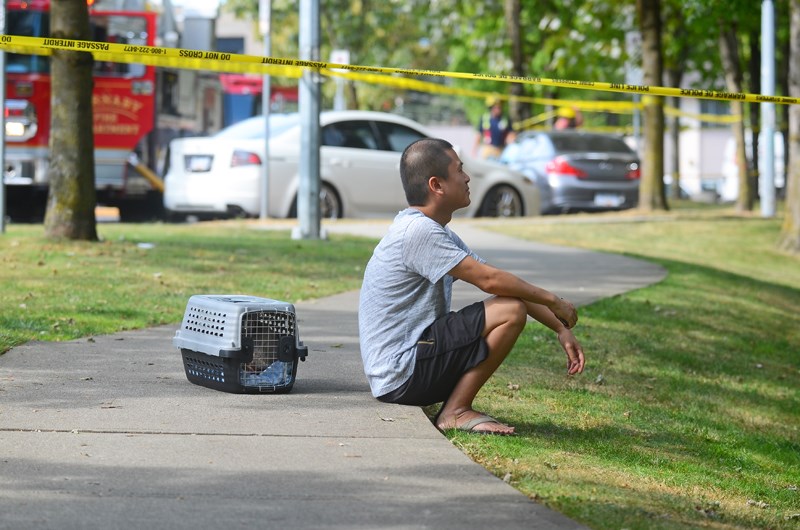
(108, 433)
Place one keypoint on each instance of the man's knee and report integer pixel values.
(506, 310)
(519, 312)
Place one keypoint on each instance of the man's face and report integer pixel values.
(457, 184)
(497, 109)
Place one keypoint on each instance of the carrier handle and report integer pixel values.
(289, 351)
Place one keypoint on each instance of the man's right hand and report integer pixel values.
(575, 357)
(565, 312)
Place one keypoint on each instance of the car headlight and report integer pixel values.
(20, 120)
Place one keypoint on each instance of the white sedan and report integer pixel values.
(219, 176)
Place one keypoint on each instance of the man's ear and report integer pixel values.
(435, 185)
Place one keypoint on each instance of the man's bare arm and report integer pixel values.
(498, 282)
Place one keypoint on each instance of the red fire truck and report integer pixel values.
(137, 110)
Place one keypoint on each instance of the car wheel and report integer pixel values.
(330, 206)
(502, 201)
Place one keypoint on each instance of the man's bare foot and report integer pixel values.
(472, 421)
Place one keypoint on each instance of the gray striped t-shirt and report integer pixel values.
(406, 287)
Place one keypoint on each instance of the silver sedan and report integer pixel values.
(219, 176)
(576, 170)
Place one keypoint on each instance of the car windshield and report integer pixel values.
(592, 143)
(253, 128)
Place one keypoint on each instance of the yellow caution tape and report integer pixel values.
(155, 56)
(711, 118)
(238, 63)
(534, 120)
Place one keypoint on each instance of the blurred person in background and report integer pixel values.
(568, 118)
(495, 130)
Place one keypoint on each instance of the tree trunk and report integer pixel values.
(674, 18)
(351, 96)
(754, 71)
(513, 12)
(782, 73)
(675, 76)
(651, 188)
(675, 136)
(729, 50)
(790, 233)
(72, 199)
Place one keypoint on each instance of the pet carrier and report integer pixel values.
(238, 343)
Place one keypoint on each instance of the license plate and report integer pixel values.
(195, 163)
(609, 200)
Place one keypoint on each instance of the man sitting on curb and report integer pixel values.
(415, 350)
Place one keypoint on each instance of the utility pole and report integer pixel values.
(767, 178)
(265, 24)
(308, 213)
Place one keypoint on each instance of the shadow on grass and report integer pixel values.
(621, 476)
(691, 385)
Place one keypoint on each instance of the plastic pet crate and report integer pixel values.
(239, 343)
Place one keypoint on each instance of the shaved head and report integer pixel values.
(422, 160)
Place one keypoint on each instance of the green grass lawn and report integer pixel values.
(143, 275)
(687, 415)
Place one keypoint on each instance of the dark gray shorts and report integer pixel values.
(447, 349)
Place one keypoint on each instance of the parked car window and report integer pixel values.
(585, 143)
(532, 148)
(354, 134)
(397, 136)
